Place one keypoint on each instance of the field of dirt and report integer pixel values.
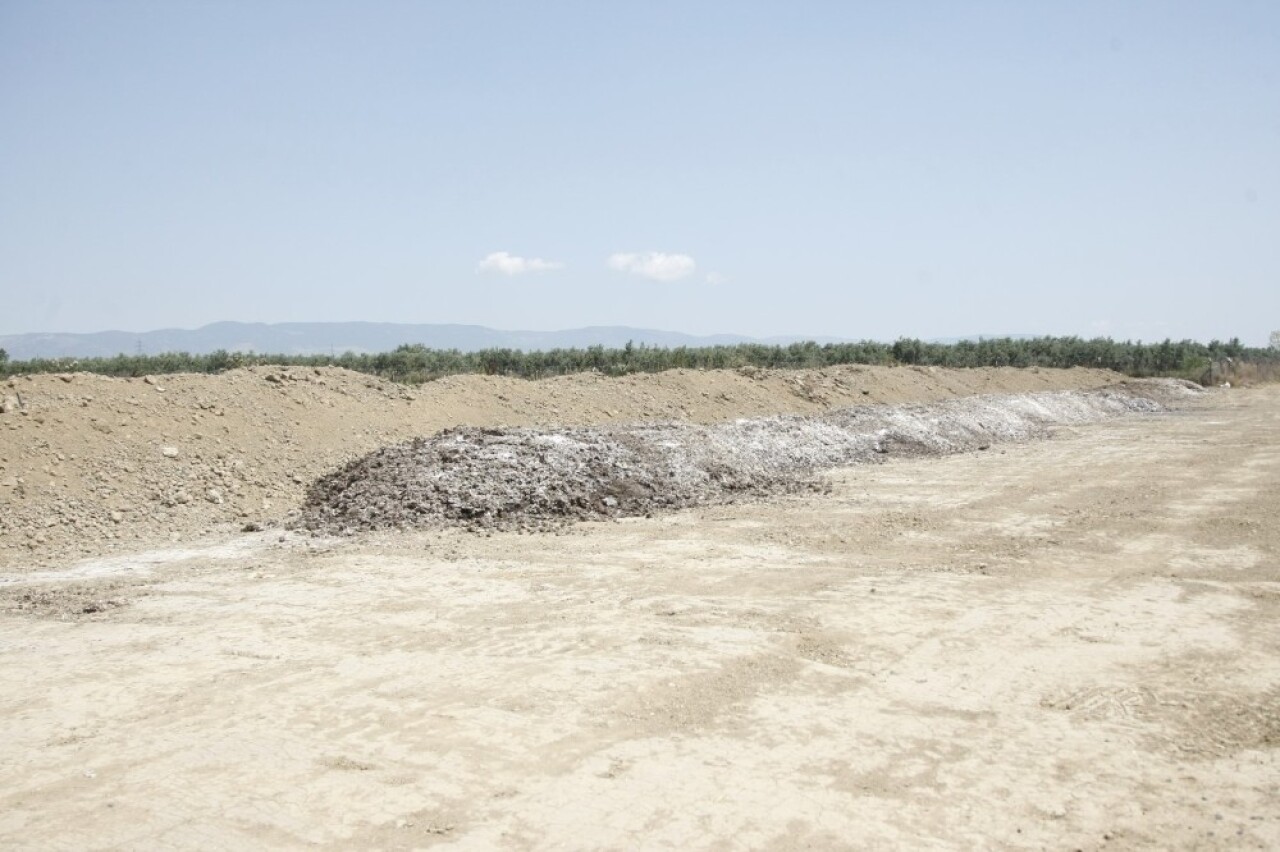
(1071, 642)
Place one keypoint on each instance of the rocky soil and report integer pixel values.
(92, 464)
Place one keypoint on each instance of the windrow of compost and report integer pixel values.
(534, 478)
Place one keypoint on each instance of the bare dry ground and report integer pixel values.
(1073, 643)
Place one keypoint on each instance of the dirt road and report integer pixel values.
(1073, 643)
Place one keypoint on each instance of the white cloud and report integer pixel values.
(510, 264)
(715, 278)
(657, 265)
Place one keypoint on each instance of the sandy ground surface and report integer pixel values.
(1073, 643)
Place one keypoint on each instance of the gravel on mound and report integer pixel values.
(527, 478)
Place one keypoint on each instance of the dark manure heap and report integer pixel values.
(522, 478)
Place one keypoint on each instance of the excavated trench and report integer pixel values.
(526, 478)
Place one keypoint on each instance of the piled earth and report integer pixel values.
(524, 478)
(92, 464)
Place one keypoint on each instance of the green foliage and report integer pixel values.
(4, 356)
(414, 363)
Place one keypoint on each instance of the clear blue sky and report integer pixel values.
(826, 168)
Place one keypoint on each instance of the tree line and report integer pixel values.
(415, 363)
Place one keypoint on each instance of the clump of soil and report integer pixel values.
(75, 601)
(518, 478)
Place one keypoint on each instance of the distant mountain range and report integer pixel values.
(311, 338)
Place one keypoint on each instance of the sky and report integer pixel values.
(839, 169)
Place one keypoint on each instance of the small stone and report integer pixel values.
(169, 452)
(213, 495)
(117, 516)
(182, 497)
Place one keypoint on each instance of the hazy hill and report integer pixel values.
(304, 338)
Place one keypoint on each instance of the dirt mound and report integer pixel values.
(91, 464)
(529, 478)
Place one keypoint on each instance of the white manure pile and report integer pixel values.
(534, 478)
